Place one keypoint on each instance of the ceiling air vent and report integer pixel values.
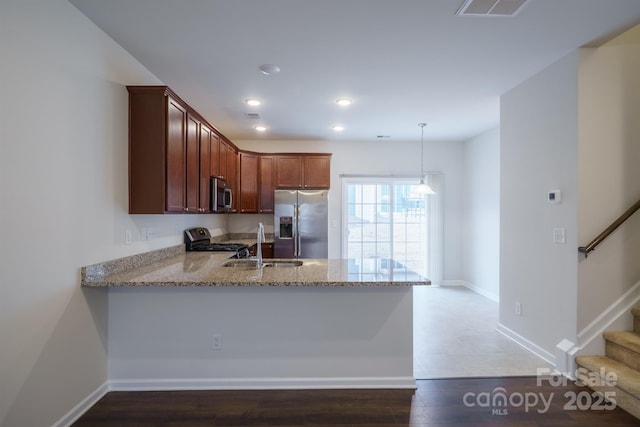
(490, 7)
(253, 116)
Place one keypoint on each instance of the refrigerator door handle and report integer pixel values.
(298, 241)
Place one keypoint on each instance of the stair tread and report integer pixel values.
(628, 379)
(628, 340)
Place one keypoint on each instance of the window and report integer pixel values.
(388, 219)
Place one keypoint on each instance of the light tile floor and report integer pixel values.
(455, 336)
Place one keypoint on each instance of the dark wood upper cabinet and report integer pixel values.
(224, 159)
(173, 153)
(266, 183)
(192, 189)
(233, 167)
(214, 155)
(316, 171)
(248, 183)
(175, 162)
(289, 171)
(170, 153)
(205, 168)
(157, 151)
(303, 171)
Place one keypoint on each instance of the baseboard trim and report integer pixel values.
(82, 407)
(482, 291)
(473, 288)
(620, 307)
(527, 345)
(452, 283)
(261, 383)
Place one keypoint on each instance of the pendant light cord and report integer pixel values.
(422, 125)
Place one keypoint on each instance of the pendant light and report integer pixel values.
(423, 188)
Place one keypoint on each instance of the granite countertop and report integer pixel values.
(172, 267)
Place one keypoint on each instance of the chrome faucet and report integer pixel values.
(259, 246)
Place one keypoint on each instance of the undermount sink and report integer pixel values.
(241, 263)
(283, 263)
(253, 263)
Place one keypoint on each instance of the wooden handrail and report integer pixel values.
(610, 229)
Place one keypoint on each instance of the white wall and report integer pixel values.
(395, 157)
(271, 337)
(63, 203)
(481, 239)
(538, 153)
(609, 172)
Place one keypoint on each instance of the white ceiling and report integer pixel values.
(401, 61)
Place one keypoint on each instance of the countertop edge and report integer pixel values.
(113, 274)
(253, 284)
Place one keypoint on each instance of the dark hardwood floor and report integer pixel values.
(444, 402)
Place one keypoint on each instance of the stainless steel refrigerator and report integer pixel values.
(300, 224)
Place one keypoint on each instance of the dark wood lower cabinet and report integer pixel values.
(267, 250)
(450, 402)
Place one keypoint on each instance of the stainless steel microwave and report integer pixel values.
(221, 196)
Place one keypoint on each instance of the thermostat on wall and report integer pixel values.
(555, 196)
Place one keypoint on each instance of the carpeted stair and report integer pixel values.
(622, 362)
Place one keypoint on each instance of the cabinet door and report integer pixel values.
(215, 155)
(316, 171)
(267, 250)
(289, 172)
(192, 189)
(233, 160)
(266, 183)
(248, 183)
(205, 168)
(176, 136)
(225, 153)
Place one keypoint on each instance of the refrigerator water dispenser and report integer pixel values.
(286, 227)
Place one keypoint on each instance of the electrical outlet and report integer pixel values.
(518, 309)
(149, 233)
(216, 341)
(127, 237)
(152, 233)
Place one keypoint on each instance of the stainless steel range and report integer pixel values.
(199, 239)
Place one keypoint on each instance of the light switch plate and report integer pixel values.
(554, 196)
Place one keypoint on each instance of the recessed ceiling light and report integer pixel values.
(253, 102)
(344, 102)
(261, 128)
(269, 69)
(337, 128)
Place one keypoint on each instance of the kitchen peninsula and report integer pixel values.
(181, 320)
(215, 269)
